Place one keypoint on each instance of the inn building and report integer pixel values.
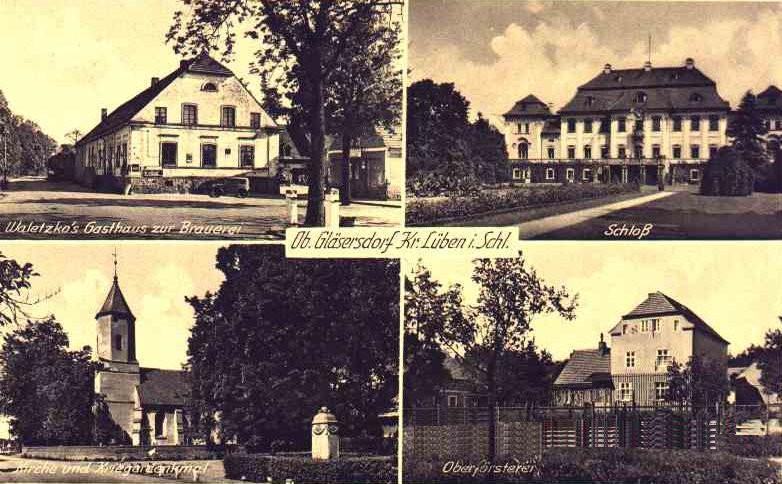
(644, 343)
(646, 124)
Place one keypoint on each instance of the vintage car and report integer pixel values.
(236, 185)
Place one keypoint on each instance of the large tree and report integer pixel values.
(301, 45)
(769, 359)
(47, 390)
(283, 337)
(700, 382)
(499, 325)
(14, 286)
(24, 147)
(747, 129)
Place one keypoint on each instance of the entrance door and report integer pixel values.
(168, 154)
(209, 155)
(359, 178)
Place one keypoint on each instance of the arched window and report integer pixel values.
(209, 87)
(523, 150)
(640, 97)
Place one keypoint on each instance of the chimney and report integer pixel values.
(602, 346)
(689, 63)
(607, 69)
(154, 81)
(104, 113)
(647, 66)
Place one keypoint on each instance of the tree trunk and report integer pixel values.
(315, 216)
(344, 195)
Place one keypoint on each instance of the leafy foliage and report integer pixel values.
(770, 361)
(26, 145)
(302, 469)
(46, 389)
(14, 282)
(701, 382)
(294, 334)
(727, 174)
(747, 127)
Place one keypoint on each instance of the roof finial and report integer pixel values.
(115, 264)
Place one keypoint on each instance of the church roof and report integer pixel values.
(163, 387)
(658, 304)
(586, 368)
(661, 88)
(115, 302)
(529, 106)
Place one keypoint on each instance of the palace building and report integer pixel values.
(195, 124)
(147, 404)
(644, 343)
(647, 125)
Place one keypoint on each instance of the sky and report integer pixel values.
(733, 286)
(498, 51)
(155, 279)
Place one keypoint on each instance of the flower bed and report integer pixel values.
(304, 470)
(425, 212)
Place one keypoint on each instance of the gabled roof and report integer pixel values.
(529, 106)
(585, 368)
(770, 99)
(115, 302)
(202, 64)
(658, 304)
(163, 387)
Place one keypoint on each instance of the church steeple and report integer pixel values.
(116, 326)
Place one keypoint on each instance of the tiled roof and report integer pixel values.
(585, 368)
(529, 106)
(665, 88)
(163, 387)
(203, 64)
(658, 304)
(115, 302)
(552, 126)
(770, 99)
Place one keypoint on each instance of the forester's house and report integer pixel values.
(148, 404)
(769, 103)
(644, 343)
(746, 388)
(195, 124)
(622, 125)
(375, 165)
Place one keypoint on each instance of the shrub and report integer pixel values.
(429, 184)
(754, 445)
(423, 212)
(303, 470)
(726, 174)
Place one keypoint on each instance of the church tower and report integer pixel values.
(116, 350)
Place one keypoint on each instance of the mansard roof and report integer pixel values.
(653, 89)
(586, 368)
(115, 303)
(770, 99)
(163, 387)
(529, 106)
(658, 304)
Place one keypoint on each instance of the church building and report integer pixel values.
(148, 404)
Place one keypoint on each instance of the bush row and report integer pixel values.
(754, 445)
(304, 470)
(424, 212)
(663, 466)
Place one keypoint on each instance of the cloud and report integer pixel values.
(552, 58)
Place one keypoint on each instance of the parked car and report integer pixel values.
(237, 185)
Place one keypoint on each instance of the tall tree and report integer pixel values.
(770, 361)
(301, 45)
(295, 334)
(47, 390)
(700, 382)
(747, 129)
(14, 286)
(489, 151)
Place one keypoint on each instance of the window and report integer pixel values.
(645, 326)
(518, 128)
(168, 154)
(630, 359)
(255, 120)
(549, 173)
(570, 174)
(714, 123)
(526, 128)
(160, 424)
(695, 151)
(209, 87)
(189, 114)
(588, 125)
(247, 156)
(712, 151)
(517, 173)
(695, 123)
(551, 153)
(622, 151)
(677, 123)
(624, 329)
(695, 175)
(453, 401)
(639, 151)
(118, 342)
(656, 122)
(660, 390)
(523, 150)
(571, 152)
(161, 115)
(639, 125)
(571, 125)
(621, 125)
(587, 151)
(605, 126)
(676, 321)
(604, 152)
(228, 117)
(626, 392)
(640, 97)
(655, 151)
(663, 359)
(209, 155)
(677, 151)
(586, 174)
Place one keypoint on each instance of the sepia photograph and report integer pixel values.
(196, 363)
(177, 119)
(601, 363)
(596, 120)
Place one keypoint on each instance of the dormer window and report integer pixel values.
(209, 87)
(695, 98)
(589, 101)
(640, 97)
(619, 79)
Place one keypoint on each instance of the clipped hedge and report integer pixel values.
(304, 470)
(424, 212)
(754, 445)
(659, 466)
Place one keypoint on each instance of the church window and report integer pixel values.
(118, 342)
